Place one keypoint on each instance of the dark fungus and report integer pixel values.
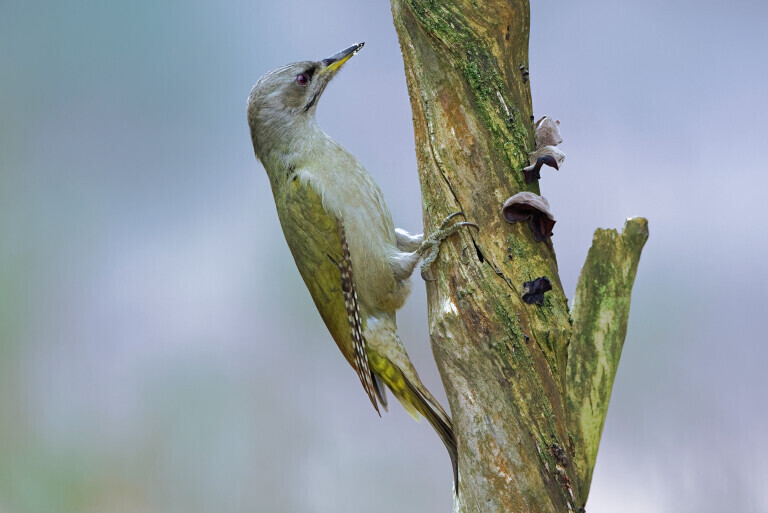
(533, 208)
(533, 291)
(533, 172)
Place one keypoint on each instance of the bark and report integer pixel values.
(528, 385)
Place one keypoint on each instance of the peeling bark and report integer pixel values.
(525, 441)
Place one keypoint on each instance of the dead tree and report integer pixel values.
(528, 384)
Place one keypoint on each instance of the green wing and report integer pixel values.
(318, 243)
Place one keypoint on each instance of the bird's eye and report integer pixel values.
(302, 79)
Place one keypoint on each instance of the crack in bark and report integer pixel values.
(435, 158)
(439, 165)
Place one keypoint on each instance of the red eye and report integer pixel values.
(302, 79)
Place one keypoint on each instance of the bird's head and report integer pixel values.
(286, 98)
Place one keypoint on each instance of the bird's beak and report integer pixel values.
(332, 64)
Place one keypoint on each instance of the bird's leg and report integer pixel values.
(406, 241)
(415, 247)
(403, 263)
(409, 242)
(431, 245)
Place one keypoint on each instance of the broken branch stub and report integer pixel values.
(600, 315)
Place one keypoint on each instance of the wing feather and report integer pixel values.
(318, 242)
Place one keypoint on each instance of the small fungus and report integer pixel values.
(547, 132)
(533, 172)
(533, 208)
(524, 69)
(533, 291)
(552, 151)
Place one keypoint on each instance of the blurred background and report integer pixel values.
(159, 352)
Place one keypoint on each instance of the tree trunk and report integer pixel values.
(528, 385)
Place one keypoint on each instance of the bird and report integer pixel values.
(355, 263)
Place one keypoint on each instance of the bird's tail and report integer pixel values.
(416, 399)
(441, 422)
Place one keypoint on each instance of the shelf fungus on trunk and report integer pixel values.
(533, 172)
(547, 132)
(547, 135)
(527, 206)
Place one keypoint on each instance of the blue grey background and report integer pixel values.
(158, 350)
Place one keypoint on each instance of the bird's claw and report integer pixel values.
(447, 219)
(431, 244)
(468, 223)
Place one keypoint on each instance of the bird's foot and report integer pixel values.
(430, 248)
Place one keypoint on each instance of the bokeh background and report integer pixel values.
(159, 352)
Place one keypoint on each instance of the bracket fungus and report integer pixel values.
(527, 206)
(547, 132)
(552, 151)
(547, 153)
(533, 291)
(533, 172)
